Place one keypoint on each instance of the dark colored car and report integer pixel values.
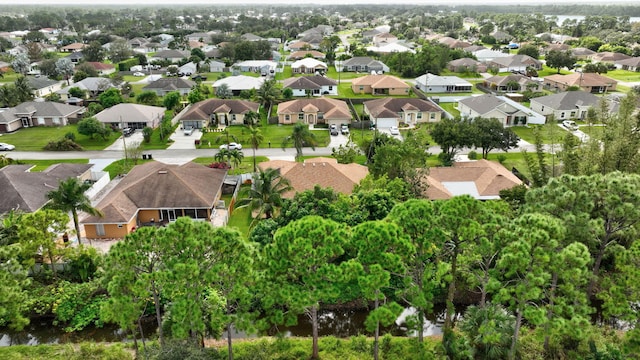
(128, 131)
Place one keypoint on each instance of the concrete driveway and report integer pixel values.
(182, 141)
(388, 132)
(121, 142)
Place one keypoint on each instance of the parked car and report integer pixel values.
(231, 146)
(571, 125)
(128, 131)
(333, 130)
(6, 147)
(138, 73)
(394, 130)
(188, 130)
(344, 129)
(199, 77)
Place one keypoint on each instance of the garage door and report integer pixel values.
(196, 124)
(386, 123)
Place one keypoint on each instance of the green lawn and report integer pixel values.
(623, 75)
(246, 166)
(596, 132)
(344, 90)
(35, 138)
(241, 220)
(40, 165)
(450, 108)
(546, 71)
(122, 166)
(273, 134)
(549, 133)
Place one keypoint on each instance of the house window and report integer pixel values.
(119, 226)
(56, 121)
(361, 87)
(100, 230)
(573, 114)
(233, 117)
(201, 214)
(40, 121)
(300, 116)
(562, 115)
(330, 88)
(432, 116)
(542, 108)
(419, 115)
(287, 118)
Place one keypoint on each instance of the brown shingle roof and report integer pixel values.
(582, 79)
(325, 172)
(202, 110)
(380, 82)
(156, 185)
(481, 179)
(393, 106)
(332, 108)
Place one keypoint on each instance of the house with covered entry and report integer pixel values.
(379, 85)
(163, 86)
(38, 113)
(507, 111)
(512, 83)
(308, 66)
(589, 82)
(128, 115)
(217, 112)
(364, 64)
(314, 111)
(388, 112)
(570, 105)
(316, 85)
(431, 83)
(514, 63)
(239, 83)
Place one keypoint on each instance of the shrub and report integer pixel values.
(472, 155)
(502, 158)
(71, 136)
(63, 144)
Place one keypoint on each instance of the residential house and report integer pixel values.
(431, 83)
(454, 43)
(298, 45)
(482, 179)
(486, 55)
(556, 47)
(154, 194)
(43, 86)
(213, 53)
(263, 67)
(129, 115)
(589, 82)
(188, 69)
(301, 54)
(239, 83)
(570, 105)
(367, 35)
(379, 85)
(94, 86)
(308, 66)
(507, 111)
(75, 57)
(313, 39)
(320, 30)
(217, 112)
(383, 39)
(609, 57)
(163, 86)
(316, 85)
(388, 112)
(514, 63)
(322, 171)
(464, 65)
(26, 191)
(171, 55)
(364, 64)
(502, 37)
(73, 47)
(204, 37)
(512, 83)
(473, 48)
(631, 64)
(214, 66)
(581, 53)
(314, 111)
(391, 48)
(102, 68)
(251, 37)
(38, 113)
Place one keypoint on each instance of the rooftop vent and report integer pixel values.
(162, 171)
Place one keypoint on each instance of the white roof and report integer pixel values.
(435, 80)
(308, 63)
(466, 188)
(390, 48)
(240, 82)
(258, 63)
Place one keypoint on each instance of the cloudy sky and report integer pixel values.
(308, 2)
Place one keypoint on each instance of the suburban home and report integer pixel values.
(301, 54)
(204, 37)
(589, 82)
(239, 83)
(316, 85)
(38, 113)
(163, 86)
(391, 48)
(263, 67)
(609, 57)
(314, 111)
(631, 64)
(453, 43)
(73, 47)
(480, 179)
(502, 37)
(93, 86)
(486, 55)
(367, 35)
(581, 53)
(321, 30)
(299, 45)
(569, 105)
(514, 63)
(102, 68)
(217, 112)
(556, 47)
(308, 66)
(472, 48)
(43, 86)
(154, 194)
(466, 65)
(323, 172)
(75, 57)
(431, 83)
(134, 116)
(188, 69)
(26, 191)
(507, 111)
(214, 66)
(364, 64)
(390, 112)
(384, 39)
(251, 37)
(173, 56)
(512, 83)
(313, 39)
(379, 85)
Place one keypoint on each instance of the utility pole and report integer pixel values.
(124, 142)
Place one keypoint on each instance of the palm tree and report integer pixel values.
(225, 136)
(250, 118)
(268, 93)
(255, 138)
(23, 89)
(235, 157)
(265, 195)
(5, 160)
(70, 196)
(300, 136)
(222, 155)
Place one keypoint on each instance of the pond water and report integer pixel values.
(338, 323)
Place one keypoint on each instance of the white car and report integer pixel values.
(394, 130)
(6, 147)
(571, 125)
(138, 73)
(231, 146)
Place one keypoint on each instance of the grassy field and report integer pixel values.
(596, 132)
(546, 71)
(450, 108)
(40, 165)
(549, 132)
(36, 138)
(344, 90)
(623, 75)
(273, 134)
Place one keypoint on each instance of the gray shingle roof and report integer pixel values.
(308, 82)
(568, 100)
(390, 107)
(202, 110)
(47, 108)
(170, 84)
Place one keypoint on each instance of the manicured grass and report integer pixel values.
(450, 108)
(273, 134)
(344, 75)
(156, 143)
(9, 77)
(36, 138)
(241, 220)
(549, 133)
(546, 71)
(246, 166)
(122, 166)
(40, 165)
(595, 132)
(344, 90)
(623, 75)
(285, 74)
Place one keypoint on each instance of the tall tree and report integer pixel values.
(265, 194)
(93, 52)
(558, 59)
(39, 232)
(268, 93)
(13, 282)
(255, 139)
(21, 64)
(23, 90)
(70, 197)
(300, 136)
(491, 134)
(302, 270)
